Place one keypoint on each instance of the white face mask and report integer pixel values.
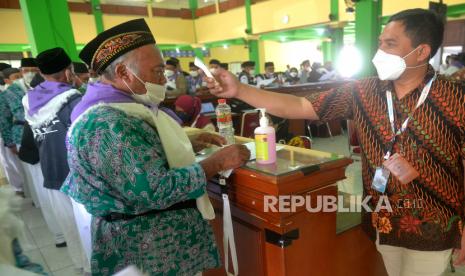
(293, 74)
(194, 74)
(93, 80)
(169, 73)
(212, 70)
(154, 96)
(28, 76)
(252, 72)
(389, 66)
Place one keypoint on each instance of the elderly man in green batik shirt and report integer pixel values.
(133, 167)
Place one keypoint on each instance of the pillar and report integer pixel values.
(98, 16)
(198, 53)
(253, 44)
(326, 48)
(337, 38)
(367, 29)
(48, 25)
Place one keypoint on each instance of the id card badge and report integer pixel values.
(401, 169)
(381, 179)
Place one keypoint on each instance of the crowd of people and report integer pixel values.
(115, 175)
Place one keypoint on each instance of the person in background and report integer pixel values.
(225, 66)
(214, 64)
(247, 76)
(456, 65)
(268, 75)
(12, 125)
(175, 81)
(3, 66)
(134, 169)
(329, 74)
(28, 71)
(195, 79)
(188, 110)
(29, 153)
(179, 67)
(305, 69)
(48, 108)
(82, 76)
(11, 164)
(443, 67)
(293, 77)
(93, 76)
(423, 129)
(316, 72)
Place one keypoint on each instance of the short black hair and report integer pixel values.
(422, 26)
(225, 66)
(215, 61)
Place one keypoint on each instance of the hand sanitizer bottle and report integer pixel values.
(265, 141)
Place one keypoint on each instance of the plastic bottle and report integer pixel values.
(224, 121)
(265, 141)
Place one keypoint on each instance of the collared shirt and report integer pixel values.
(428, 212)
(12, 114)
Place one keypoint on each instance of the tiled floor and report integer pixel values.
(39, 245)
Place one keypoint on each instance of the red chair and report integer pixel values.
(250, 121)
(354, 143)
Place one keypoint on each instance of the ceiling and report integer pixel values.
(164, 4)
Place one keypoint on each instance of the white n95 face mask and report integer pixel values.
(155, 93)
(28, 76)
(389, 66)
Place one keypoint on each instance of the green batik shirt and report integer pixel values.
(12, 126)
(117, 164)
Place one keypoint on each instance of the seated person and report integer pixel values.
(213, 65)
(247, 76)
(268, 75)
(195, 79)
(175, 81)
(225, 66)
(293, 77)
(188, 110)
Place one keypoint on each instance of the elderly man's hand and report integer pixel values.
(205, 140)
(225, 84)
(230, 157)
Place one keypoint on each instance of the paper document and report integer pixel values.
(201, 65)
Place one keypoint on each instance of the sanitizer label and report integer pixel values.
(261, 147)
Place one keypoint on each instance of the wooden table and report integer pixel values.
(291, 243)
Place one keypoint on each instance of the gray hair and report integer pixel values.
(129, 59)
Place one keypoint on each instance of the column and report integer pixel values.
(198, 53)
(326, 48)
(98, 16)
(367, 29)
(48, 25)
(253, 45)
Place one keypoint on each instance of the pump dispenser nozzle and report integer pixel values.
(263, 119)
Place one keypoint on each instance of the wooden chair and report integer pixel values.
(250, 121)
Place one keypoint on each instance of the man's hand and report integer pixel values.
(205, 140)
(13, 149)
(459, 254)
(230, 157)
(225, 84)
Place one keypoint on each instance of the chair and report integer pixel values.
(301, 142)
(318, 124)
(354, 144)
(250, 121)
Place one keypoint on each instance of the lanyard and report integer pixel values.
(421, 100)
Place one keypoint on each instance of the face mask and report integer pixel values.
(293, 74)
(183, 116)
(28, 77)
(252, 72)
(194, 74)
(389, 66)
(212, 70)
(155, 93)
(93, 80)
(169, 73)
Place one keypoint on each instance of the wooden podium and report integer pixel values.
(281, 243)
